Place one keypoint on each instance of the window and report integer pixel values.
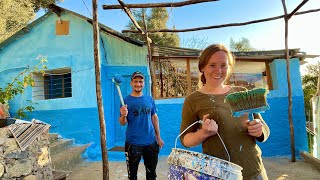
(175, 77)
(54, 84)
(251, 75)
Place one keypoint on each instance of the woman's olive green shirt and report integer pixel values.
(241, 146)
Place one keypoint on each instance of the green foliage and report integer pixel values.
(20, 83)
(157, 19)
(16, 14)
(309, 84)
(241, 45)
(195, 42)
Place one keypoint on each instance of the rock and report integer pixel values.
(30, 177)
(1, 169)
(20, 169)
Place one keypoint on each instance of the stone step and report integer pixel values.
(53, 137)
(60, 175)
(68, 158)
(60, 145)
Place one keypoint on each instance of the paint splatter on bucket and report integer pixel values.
(200, 166)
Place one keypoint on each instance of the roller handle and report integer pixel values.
(120, 95)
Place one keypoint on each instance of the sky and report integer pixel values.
(303, 29)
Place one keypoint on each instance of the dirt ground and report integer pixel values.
(278, 168)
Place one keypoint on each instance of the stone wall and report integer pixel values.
(32, 164)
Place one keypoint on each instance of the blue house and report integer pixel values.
(66, 95)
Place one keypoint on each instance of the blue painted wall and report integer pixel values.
(77, 117)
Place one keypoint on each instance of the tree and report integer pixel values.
(241, 45)
(309, 85)
(16, 14)
(157, 19)
(195, 42)
(19, 84)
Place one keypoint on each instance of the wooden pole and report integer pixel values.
(151, 68)
(96, 53)
(286, 19)
(189, 78)
(155, 5)
(297, 8)
(222, 25)
(128, 12)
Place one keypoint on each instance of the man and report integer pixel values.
(143, 132)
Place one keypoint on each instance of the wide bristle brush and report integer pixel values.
(248, 102)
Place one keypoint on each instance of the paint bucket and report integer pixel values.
(187, 165)
(184, 163)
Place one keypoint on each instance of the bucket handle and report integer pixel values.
(201, 122)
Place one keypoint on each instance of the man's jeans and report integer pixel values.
(150, 157)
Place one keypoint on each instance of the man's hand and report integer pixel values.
(124, 110)
(160, 142)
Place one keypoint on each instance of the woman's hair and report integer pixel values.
(206, 55)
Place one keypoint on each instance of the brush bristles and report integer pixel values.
(246, 100)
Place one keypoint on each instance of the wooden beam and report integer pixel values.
(128, 12)
(96, 53)
(297, 8)
(157, 5)
(222, 25)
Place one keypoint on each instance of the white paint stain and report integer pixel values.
(241, 148)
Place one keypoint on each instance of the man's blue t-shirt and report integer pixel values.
(140, 130)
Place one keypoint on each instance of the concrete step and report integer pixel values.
(68, 158)
(60, 145)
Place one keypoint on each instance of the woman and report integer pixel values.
(238, 134)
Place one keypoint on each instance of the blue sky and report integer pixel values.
(303, 29)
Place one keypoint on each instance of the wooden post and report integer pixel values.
(151, 68)
(189, 78)
(96, 53)
(286, 19)
(269, 77)
(293, 154)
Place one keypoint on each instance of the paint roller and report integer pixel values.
(117, 79)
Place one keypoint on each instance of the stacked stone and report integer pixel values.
(32, 164)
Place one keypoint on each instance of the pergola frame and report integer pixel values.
(287, 16)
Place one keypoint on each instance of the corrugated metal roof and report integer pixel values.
(175, 52)
(58, 10)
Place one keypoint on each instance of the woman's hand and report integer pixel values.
(255, 127)
(209, 126)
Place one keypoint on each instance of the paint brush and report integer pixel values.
(248, 102)
(117, 80)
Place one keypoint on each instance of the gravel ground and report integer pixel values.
(278, 168)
